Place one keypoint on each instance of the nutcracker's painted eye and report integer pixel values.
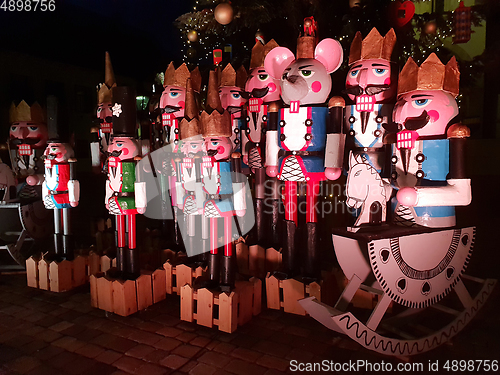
(353, 73)
(421, 103)
(13, 128)
(174, 94)
(236, 95)
(194, 147)
(306, 73)
(119, 144)
(380, 72)
(99, 110)
(33, 128)
(263, 77)
(54, 149)
(285, 75)
(215, 143)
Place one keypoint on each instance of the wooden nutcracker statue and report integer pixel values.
(27, 139)
(428, 160)
(190, 194)
(232, 97)
(171, 108)
(226, 196)
(60, 189)
(102, 132)
(371, 84)
(263, 90)
(301, 145)
(125, 193)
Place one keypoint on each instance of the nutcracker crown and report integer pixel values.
(23, 112)
(259, 53)
(431, 75)
(104, 89)
(374, 46)
(231, 77)
(179, 76)
(215, 122)
(307, 42)
(189, 126)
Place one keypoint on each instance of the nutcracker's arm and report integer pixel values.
(243, 133)
(13, 161)
(178, 189)
(272, 146)
(335, 139)
(239, 196)
(139, 189)
(73, 184)
(95, 148)
(199, 194)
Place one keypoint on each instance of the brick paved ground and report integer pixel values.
(44, 333)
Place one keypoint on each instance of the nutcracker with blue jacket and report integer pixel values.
(125, 193)
(371, 83)
(171, 108)
(301, 143)
(263, 90)
(60, 188)
(102, 133)
(28, 136)
(190, 194)
(225, 193)
(428, 155)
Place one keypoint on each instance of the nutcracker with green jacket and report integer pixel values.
(125, 193)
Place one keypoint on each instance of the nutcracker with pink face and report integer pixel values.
(428, 160)
(303, 133)
(60, 192)
(125, 193)
(263, 90)
(27, 138)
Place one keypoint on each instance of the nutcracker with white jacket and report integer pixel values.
(414, 265)
(102, 132)
(263, 90)
(224, 185)
(301, 145)
(125, 193)
(60, 188)
(371, 84)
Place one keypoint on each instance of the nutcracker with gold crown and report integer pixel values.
(223, 183)
(233, 98)
(171, 109)
(371, 83)
(301, 143)
(125, 193)
(263, 90)
(418, 263)
(190, 194)
(102, 132)
(60, 189)
(27, 139)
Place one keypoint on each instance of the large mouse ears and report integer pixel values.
(329, 52)
(277, 60)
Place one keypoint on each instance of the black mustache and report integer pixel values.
(259, 93)
(25, 141)
(212, 152)
(49, 157)
(170, 109)
(415, 123)
(114, 153)
(107, 119)
(233, 109)
(370, 90)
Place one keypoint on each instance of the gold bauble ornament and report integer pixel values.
(430, 27)
(223, 13)
(192, 36)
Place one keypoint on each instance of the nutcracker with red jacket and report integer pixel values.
(60, 189)
(27, 139)
(125, 193)
(263, 90)
(102, 133)
(428, 155)
(171, 108)
(225, 194)
(302, 145)
(232, 97)
(190, 195)
(371, 83)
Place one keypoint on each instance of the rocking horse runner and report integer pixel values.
(416, 264)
